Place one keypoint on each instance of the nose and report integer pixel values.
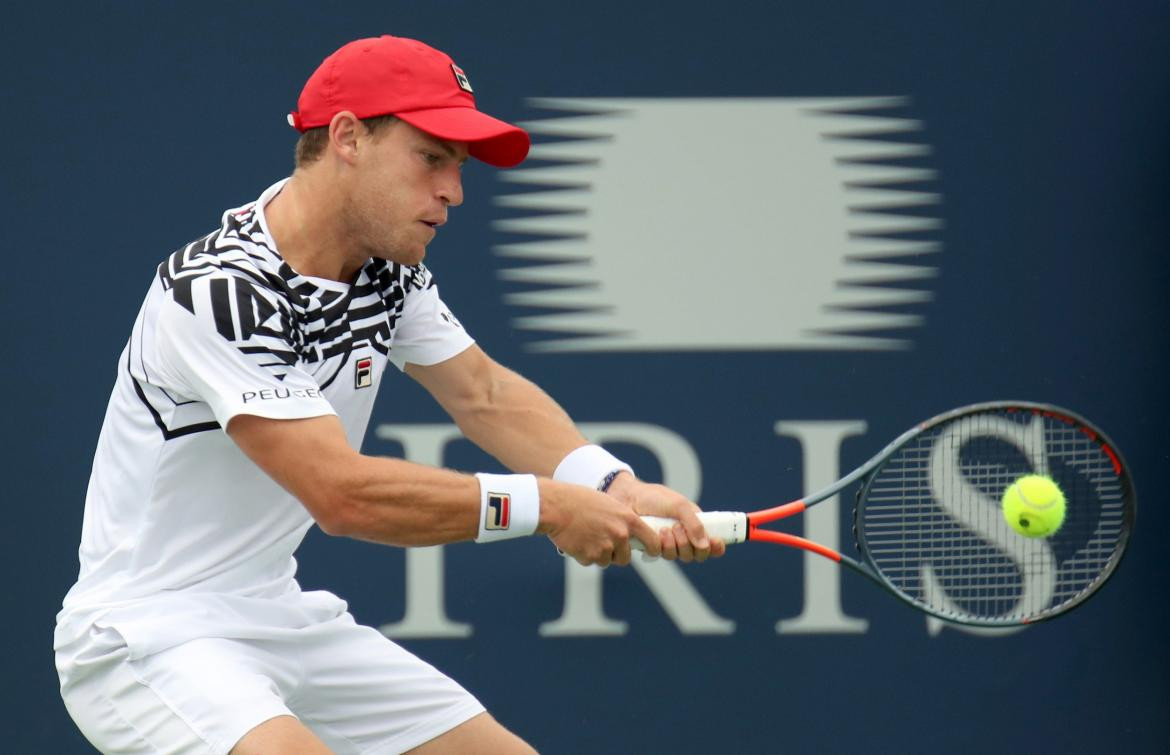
(451, 188)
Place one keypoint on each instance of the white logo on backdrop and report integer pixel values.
(721, 224)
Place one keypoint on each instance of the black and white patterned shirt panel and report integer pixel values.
(238, 330)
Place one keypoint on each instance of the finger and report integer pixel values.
(646, 535)
(621, 554)
(669, 546)
(718, 547)
(686, 551)
(645, 558)
(688, 515)
(702, 554)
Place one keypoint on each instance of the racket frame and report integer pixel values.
(868, 471)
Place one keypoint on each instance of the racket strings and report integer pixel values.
(931, 523)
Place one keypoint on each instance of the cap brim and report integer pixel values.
(488, 139)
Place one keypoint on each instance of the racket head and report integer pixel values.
(929, 521)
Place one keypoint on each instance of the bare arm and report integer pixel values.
(500, 411)
(526, 430)
(372, 498)
(397, 502)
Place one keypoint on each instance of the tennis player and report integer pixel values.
(241, 399)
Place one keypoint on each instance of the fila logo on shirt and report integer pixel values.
(498, 509)
(363, 373)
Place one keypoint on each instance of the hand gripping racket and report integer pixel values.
(928, 524)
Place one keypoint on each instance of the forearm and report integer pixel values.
(396, 502)
(384, 500)
(520, 425)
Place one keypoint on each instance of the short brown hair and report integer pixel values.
(311, 145)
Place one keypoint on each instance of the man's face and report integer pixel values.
(405, 180)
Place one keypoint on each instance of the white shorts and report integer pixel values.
(358, 691)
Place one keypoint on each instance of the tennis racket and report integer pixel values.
(928, 523)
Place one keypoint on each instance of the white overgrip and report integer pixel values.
(729, 526)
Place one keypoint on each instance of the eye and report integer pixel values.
(431, 158)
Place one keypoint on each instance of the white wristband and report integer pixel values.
(589, 466)
(509, 506)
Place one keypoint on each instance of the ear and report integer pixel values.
(344, 131)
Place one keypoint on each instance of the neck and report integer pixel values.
(304, 222)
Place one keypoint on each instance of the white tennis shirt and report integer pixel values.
(183, 536)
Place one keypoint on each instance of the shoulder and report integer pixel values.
(233, 283)
(233, 262)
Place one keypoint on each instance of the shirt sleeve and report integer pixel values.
(229, 351)
(427, 333)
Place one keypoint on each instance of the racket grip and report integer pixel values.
(729, 526)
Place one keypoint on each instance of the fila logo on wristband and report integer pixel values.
(509, 506)
(499, 507)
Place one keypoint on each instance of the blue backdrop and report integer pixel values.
(1024, 245)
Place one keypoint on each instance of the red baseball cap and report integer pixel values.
(415, 82)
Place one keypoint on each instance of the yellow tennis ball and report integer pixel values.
(1034, 506)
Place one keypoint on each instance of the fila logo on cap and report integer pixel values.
(363, 373)
(498, 508)
(461, 77)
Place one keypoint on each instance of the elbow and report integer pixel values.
(334, 523)
(337, 511)
(332, 519)
(341, 494)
